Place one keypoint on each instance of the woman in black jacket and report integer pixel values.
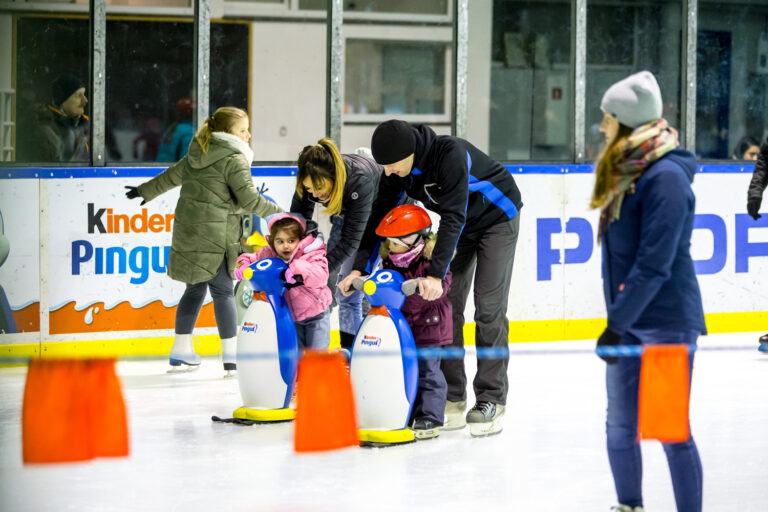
(337, 191)
(754, 198)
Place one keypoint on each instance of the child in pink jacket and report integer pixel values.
(307, 292)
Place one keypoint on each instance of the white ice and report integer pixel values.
(550, 457)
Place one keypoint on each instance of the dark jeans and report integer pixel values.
(430, 397)
(223, 304)
(315, 332)
(488, 256)
(622, 382)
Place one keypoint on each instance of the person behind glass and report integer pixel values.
(61, 132)
(306, 277)
(755, 198)
(478, 203)
(643, 190)
(216, 188)
(338, 191)
(747, 148)
(177, 137)
(408, 250)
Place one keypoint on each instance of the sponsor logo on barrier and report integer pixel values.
(249, 327)
(139, 260)
(547, 256)
(124, 223)
(371, 341)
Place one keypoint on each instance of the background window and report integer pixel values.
(52, 74)
(531, 92)
(732, 78)
(395, 78)
(388, 6)
(623, 39)
(150, 98)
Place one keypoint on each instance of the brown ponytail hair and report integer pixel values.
(610, 157)
(221, 121)
(320, 163)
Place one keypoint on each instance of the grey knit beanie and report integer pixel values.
(634, 101)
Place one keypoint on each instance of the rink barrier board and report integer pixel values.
(158, 341)
(209, 345)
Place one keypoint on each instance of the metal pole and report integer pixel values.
(201, 59)
(334, 58)
(579, 42)
(688, 117)
(97, 24)
(461, 52)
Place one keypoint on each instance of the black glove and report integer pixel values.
(296, 277)
(608, 339)
(753, 206)
(133, 193)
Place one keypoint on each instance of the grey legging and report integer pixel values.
(223, 304)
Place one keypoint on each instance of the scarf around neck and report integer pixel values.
(645, 145)
(238, 143)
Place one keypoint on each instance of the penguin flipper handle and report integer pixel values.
(359, 282)
(411, 286)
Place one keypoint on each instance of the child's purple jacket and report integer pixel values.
(431, 321)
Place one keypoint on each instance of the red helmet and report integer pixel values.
(404, 220)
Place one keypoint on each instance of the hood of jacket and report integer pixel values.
(218, 150)
(685, 159)
(425, 137)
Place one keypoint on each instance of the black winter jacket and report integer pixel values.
(359, 191)
(760, 175)
(454, 179)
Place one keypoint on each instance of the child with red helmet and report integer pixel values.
(408, 250)
(307, 294)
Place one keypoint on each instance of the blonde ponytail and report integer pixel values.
(339, 178)
(221, 121)
(610, 157)
(321, 163)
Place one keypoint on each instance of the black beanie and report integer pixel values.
(392, 141)
(63, 87)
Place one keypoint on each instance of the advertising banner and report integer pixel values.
(106, 256)
(19, 256)
(109, 255)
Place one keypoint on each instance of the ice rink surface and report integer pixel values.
(550, 457)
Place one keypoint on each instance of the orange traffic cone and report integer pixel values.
(325, 407)
(663, 396)
(73, 411)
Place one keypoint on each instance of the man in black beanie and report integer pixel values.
(61, 130)
(478, 203)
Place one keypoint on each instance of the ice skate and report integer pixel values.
(763, 347)
(424, 429)
(485, 419)
(183, 357)
(454, 415)
(228, 353)
(627, 508)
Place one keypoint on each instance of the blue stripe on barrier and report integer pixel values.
(443, 353)
(117, 172)
(283, 171)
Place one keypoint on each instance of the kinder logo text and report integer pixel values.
(104, 220)
(140, 260)
(371, 341)
(249, 327)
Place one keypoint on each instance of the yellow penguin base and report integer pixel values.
(385, 437)
(265, 415)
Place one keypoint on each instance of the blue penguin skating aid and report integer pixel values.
(384, 368)
(267, 347)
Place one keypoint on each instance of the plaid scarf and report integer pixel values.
(645, 145)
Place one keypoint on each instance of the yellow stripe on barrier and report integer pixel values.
(208, 345)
